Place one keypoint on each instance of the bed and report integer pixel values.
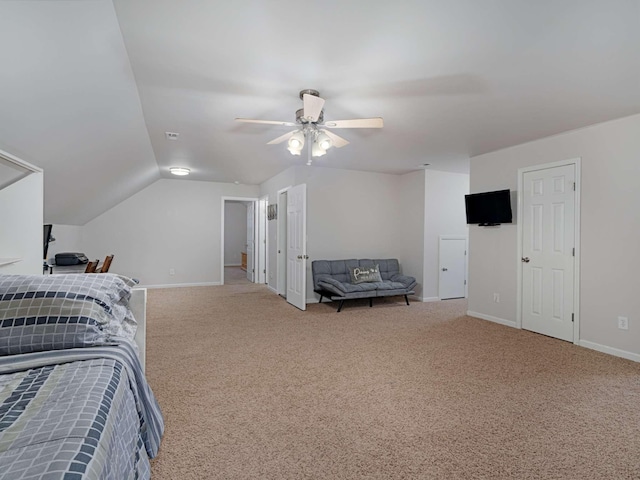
(74, 401)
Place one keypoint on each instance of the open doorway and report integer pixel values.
(235, 242)
(241, 251)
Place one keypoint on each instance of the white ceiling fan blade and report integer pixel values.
(312, 107)
(267, 122)
(335, 139)
(282, 138)
(375, 122)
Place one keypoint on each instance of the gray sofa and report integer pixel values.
(332, 279)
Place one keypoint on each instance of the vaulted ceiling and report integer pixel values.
(89, 88)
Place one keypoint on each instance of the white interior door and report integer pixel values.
(548, 242)
(297, 246)
(282, 244)
(453, 267)
(261, 250)
(250, 240)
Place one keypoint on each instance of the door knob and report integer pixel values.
(306, 257)
(299, 257)
(444, 269)
(525, 259)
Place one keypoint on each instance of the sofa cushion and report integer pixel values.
(388, 285)
(342, 288)
(336, 269)
(365, 274)
(406, 281)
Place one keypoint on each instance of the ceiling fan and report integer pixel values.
(312, 128)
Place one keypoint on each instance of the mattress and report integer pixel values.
(77, 414)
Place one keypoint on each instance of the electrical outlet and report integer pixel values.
(623, 323)
(172, 271)
(496, 297)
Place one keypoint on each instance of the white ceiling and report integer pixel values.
(87, 91)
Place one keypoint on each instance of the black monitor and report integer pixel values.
(488, 208)
(46, 239)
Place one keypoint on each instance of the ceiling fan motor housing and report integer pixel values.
(300, 118)
(309, 91)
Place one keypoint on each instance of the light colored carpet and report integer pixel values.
(235, 276)
(252, 388)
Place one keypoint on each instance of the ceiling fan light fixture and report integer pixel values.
(296, 142)
(180, 171)
(324, 141)
(317, 150)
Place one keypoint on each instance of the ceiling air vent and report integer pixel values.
(171, 135)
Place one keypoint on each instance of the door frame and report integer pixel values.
(466, 260)
(281, 259)
(222, 204)
(263, 240)
(576, 264)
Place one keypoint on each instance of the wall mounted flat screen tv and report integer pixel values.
(488, 208)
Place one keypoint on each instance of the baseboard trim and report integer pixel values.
(233, 265)
(178, 285)
(427, 299)
(616, 352)
(272, 289)
(501, 321)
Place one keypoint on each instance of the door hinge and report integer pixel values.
(264, 271)
(465, 282)
(572, 317)
(574, 186)
(465, 252)
(574, 251)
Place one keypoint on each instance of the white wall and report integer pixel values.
(68, 239)
(350, 214)
(444, 215)
(235, 232)
(610, 229)
(411, 226)
(353, 214)
(21, 211)
(171, 224)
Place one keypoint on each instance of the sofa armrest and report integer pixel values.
(332, 285)
(407, 281)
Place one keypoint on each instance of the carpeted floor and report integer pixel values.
(252, 388)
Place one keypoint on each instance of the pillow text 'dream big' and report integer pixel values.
(365, 274)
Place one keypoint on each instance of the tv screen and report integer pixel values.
(488, 208)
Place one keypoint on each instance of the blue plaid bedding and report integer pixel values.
(77, 414)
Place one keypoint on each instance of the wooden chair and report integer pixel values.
(91, 267)
(106, 264)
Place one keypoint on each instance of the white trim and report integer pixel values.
(466, 260)
(272, 289)
(179, 285)
(222, 203)
(20, 163)
(233, 265)
(501, 321)
(576, 265)
(426, 299)
(610, 350)
(8, 261)
(281, 211)
(263, 222)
